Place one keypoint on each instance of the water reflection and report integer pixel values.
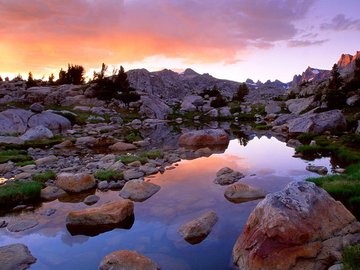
(186, 192)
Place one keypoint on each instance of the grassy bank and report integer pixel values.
(19, 192)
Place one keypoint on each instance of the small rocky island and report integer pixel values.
(85, 157)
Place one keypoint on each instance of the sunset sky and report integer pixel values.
(231, 39)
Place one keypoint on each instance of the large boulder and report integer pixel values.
(299, 105)
(318, 123)
(191, 102)
(300, 227)
(37, 133)
(204, 137)
(198, 229)
(154, 107)
(122, 146)
(108, 214)
(14, 121)
(240, 192)
(127, 260)
(56, 123)
(15, 256)
(138, 190)
(74, 183)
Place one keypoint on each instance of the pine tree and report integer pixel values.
(1, 79)
(51, 79)
(240, 94)
(30, 81)
(335, 97)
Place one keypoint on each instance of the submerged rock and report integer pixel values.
(51, 193)
(300, 227)
(127, 260)
(227, 176)
(204, 137)
(240, 192)
(198, 229)
(22, 225)
(15, 256)
(75, 182)
(138, 190)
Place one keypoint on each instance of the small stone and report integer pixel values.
(132, 174)
(121, 146)
(48, 212)
(138, 190)
(339, 170)
(116, 185)
(103, 185)
(91, 199)
(36, 108)
(19, 207)
(46, 160)
(317, 169)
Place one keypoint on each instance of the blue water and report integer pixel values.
(186, 192)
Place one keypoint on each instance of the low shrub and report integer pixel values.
(351, 257)
(14, 155)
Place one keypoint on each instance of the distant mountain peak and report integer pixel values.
(190, 72)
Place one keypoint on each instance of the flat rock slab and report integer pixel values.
(138, 190)
(240, 192)
(195, 231)
(15, 257)
(317, 169)
(127, 260)
(22, 225)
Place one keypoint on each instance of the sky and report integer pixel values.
(230, 39)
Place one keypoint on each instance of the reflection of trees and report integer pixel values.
(242, 137)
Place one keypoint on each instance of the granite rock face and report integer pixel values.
(300, 227)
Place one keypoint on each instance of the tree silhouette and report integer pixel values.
(240, 94)
(218, 102)
(30, 81)
(74, 75)
(335, 97)
(1, 79)
(51, 79)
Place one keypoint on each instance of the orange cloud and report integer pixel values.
(41, 35)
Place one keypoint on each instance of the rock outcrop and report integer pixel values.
(198, 229)
(301, 227)
(15, 256)
(127, 260)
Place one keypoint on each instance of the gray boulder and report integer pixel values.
(317, 169)
(154, 107)
(227, 176)
(36, 108)
(318, 123)
(15, 256)
(56, 123)
(37, 133)
(299, 105)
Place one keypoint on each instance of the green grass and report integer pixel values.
(133, 137)
(142, 157)
(108, 175)
(262, 127)
(25, 163)
(36, 143)
(344, 187)
(306, 138)
(351, 257)
(44, 176)
(18, 192)
(14, 155)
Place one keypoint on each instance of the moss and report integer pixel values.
(18, 192)
(351, 257)
(44, 176)
(152, 154)
(131, 158)
(14, 155)
(108, 175)
(36, 143)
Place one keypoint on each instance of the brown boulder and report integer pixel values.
(204, 137)
(240, 192)
(75, 182)
(301, 227)
(127, 260)
(15, 256)
(107, 214)
(121, 146)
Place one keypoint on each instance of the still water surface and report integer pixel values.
(186, 192)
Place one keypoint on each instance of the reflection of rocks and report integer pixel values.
(138, 190)
(204, 137)
(194, 152)
(127, 260)
(227, 176)
(301, 227)
(317, 169)
(16, 256)
(103, 218)
(75, 182)
(240, 192)
(198, 229)
(22, 225)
